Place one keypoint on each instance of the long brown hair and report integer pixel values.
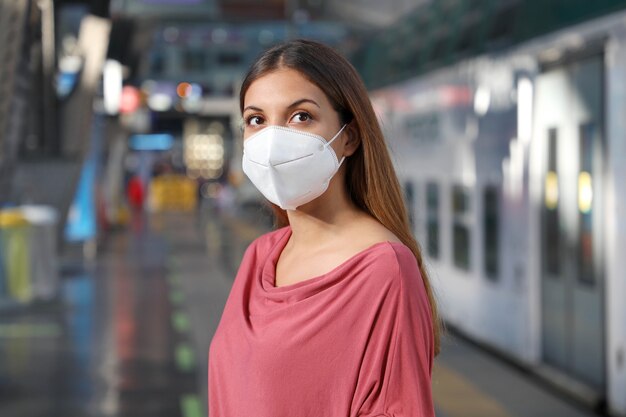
(371, 180)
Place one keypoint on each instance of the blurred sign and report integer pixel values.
(152, 142)
(173, 193)
(70, 67)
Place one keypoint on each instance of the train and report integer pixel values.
(513, 164)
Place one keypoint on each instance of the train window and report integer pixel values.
(194, 60)
(551, 238)
(461, 227)
(432, 219)
(409, 201)
(461, 246)
(225, 58)
(460, 200)
(491, 210)
(157, 63)
(585, 204)
(423, 128)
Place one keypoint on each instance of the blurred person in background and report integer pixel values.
(225, 198)
(135, 195)
(332, 314)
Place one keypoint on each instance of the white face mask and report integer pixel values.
(289, 167)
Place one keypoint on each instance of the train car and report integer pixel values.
(513, 162)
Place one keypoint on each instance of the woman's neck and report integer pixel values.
(322, 220)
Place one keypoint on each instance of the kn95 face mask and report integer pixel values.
(290, 167)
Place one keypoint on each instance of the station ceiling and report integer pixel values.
(341, 23)
(357, 14)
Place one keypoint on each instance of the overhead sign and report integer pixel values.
(151, 142)
(165, 8)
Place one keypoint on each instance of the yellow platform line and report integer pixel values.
(190, 406)
(456, 396)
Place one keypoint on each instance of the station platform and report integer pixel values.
(130, 335)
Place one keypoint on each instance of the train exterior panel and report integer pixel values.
(514, 171)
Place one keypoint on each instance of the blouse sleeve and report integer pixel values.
(404, 383)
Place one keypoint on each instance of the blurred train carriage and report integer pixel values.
(509, 139)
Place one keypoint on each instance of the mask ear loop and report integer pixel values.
(336, 135)
(333, 139)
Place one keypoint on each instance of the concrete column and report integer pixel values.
(13, 15)
(615, 226)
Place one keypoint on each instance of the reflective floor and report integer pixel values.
(130, 334)
(119, 344)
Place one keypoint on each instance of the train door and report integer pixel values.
(569, 126)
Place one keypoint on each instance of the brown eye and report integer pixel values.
(301, 117)
(254, 120)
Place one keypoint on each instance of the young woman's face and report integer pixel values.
(286, 98)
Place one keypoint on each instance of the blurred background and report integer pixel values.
(124, 211)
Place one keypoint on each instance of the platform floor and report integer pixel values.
(130, 335)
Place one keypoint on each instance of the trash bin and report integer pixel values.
(3, 283)
(14, 235)
(44, 265)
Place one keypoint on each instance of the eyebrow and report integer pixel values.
(292, 105)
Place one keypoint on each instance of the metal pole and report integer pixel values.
(49, 131)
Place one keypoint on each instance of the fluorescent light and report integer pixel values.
(112, 86)
(524, 110)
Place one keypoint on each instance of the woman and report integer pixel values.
(331, 315)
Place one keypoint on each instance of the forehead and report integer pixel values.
(282, 87)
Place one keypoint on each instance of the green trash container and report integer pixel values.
(44, 269)
(3, 282)
(14, 234)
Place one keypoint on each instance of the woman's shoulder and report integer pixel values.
(390, 256)
(395, 257)
(371, 234)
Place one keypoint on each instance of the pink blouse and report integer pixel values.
(356, 341)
